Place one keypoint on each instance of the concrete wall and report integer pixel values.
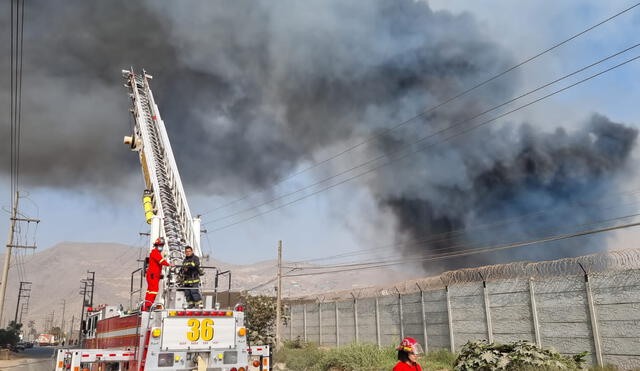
(599, 313)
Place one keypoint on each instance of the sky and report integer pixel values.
(346, 217)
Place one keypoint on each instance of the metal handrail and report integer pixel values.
(139, 290)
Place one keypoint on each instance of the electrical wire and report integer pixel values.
(431, 109)
(270, 281)
(412, 151)
(19, 95)
(460, 246)
(11, 105)
(262, 284)
(209, 248)
(444, 236)
(438, 132)
(478, 250)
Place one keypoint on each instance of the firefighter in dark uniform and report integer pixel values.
(191, 278)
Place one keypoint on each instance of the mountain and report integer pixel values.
(56, 273)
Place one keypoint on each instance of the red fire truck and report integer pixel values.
(170, 335)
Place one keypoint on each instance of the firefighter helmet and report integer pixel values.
(410, 345)
(159, 242)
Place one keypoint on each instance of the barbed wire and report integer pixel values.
(617, 260)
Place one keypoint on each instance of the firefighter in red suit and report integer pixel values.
(408, 352)
(154, 270)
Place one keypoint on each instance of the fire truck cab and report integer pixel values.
(165, 339)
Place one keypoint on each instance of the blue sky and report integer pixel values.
(330, 223)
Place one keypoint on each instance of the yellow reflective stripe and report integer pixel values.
(161, 260)
(152, 292)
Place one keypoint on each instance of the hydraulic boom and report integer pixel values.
(164, 200)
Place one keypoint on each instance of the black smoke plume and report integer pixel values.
(248, 89)
(500, 181)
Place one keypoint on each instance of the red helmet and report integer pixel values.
(159, 242)
(410, 345)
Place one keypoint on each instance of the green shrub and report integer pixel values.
(300, 356)
(260, 318)
(358, 357)
(438, 360)
(521, 356)
(11, 335)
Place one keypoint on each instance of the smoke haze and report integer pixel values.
(251, 89)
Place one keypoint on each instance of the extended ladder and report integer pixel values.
(159, 167)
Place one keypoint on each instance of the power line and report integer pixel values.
(270, 281)
(434, 134)
(444, 236)
(429, 110)
(13, 95)
(410, 152)
(15, 111)
(479, 250)
(262, 284)
(19, 106)
(454, 248)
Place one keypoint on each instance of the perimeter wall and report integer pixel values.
(591, 303)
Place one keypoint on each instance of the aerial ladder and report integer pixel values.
(165, 204)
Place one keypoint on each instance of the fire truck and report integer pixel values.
(46, 339)
(170, 335)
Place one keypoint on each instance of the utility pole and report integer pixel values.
(7, 258)
(23, 310)
(73, 318)
(49, 322)
(279, 297)
(93, 282)
(10, 246)
(25, 289)
(84, 303)
(64, 307)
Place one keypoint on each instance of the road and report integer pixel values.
(34, 359)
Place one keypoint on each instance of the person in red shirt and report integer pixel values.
(154, 271)
(408, 352)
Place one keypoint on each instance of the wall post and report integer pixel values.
(337, 325)
(450, 317)
(400, 313)
(355, 316)
(534, 313)
(319, 323)
(594, 318)
(304, 322)
(424, 319)
(487, 309)
(378, 323)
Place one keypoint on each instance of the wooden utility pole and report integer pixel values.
(279, 297)
(25, 287)
(64, 307)
(93, 285)
(84, 303)
(10, 246)
(73, 318)
(7, 258)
